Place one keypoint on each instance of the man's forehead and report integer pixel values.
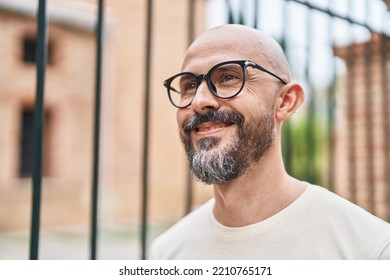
(233, 42)
(201, 62)
(207, 54)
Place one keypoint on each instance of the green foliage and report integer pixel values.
(304, 148)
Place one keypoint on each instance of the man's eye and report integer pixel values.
(229, 77)
(190, 86)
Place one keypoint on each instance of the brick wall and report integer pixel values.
(68, 102)
(361, 143)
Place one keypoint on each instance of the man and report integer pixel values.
(233, 95)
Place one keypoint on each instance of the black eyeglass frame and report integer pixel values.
(243, 63)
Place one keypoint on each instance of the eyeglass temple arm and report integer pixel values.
(255, 65)
(168, 86)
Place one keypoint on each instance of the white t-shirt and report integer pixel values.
(318, 225)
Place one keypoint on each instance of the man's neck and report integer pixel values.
(257, 195)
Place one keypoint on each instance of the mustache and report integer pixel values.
(212, 115)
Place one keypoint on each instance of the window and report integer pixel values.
(26, 143)
(30, 50)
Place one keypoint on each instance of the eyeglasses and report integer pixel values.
(225, 80)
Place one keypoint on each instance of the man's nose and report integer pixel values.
(204, 99)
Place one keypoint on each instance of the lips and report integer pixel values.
(211, 126)
(213, 121)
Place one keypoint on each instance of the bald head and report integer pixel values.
(233, 41)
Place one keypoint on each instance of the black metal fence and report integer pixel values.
(309, 147)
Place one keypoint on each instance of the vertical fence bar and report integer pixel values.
(287, 130)
(386, 119)
(38, 129)
(145, 157)
(255, 13)
(190, 38)
(230, 12)
(330, 110)
(368, 93)
(96, 143)
(310, 133)
(350, 87)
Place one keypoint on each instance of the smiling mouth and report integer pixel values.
(212, 122)
(211, 126)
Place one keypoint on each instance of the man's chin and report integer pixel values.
(208, 143)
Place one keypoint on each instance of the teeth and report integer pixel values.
(204, 129)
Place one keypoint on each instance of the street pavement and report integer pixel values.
(73, 243)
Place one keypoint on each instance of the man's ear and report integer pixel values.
(290, 98)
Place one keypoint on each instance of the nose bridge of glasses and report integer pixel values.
(200, 78)
(209, 83)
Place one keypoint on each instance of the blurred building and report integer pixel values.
(69, 109)
(68, 113)
(362, 132)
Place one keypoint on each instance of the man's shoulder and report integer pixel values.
(195, 217)
(183, 231)
(360, 233)
(346, 214)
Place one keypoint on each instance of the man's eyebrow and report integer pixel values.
(186, 77)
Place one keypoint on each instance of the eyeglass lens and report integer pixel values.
(224, 81)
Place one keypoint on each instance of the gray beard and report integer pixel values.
(217, 166)
(211, 165)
